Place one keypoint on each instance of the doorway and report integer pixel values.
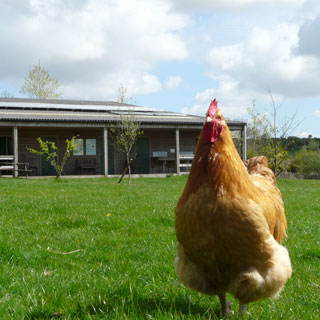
(143, 155)
(46, 168)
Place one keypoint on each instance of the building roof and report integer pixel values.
(74, 111)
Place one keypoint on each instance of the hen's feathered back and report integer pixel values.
(264, 179)
(259, 165)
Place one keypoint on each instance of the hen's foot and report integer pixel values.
(242, 309)
(225, 305)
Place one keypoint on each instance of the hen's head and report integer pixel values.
(214, 125)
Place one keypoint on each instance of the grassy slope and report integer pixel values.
(93, 249)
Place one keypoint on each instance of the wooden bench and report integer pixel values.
(24, 168)
(7, 164)
(6, 167)
(162, 161)
(87, 164)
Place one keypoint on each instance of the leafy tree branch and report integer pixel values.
(48, 149)
(39, 84)
(124, 134)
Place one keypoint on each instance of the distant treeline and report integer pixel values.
(296, 143)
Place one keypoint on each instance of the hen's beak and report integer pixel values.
(209, 119)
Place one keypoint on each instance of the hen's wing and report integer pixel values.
(263, 178)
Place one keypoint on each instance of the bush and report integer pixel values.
(307, 162)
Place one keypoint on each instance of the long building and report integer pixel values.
(167, 144)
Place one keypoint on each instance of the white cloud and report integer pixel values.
(206, 5)
(316, 113)
(232, 101)
(267, 59)
(91, 46)
(304, 134)
(173, 82)
(307, 44)
(136, 83)
(246, 71)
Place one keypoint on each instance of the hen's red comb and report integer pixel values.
(212, 108)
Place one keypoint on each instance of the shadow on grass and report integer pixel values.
(43, 314)
(117, 306)
(311, 255)
(144, 307)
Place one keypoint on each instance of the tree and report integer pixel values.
(124, 135)
(313, 145)
(294, 143)
(267, 137)
(307, 161)
(48, 149)
(122, 95)
(39, 84)
(257, 131)
(238, 141)
(6, 94)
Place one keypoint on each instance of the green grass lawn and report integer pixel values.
(94, 249)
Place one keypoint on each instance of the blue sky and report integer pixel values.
(171, 54)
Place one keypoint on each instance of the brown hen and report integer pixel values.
(229, 223)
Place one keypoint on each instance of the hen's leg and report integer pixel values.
(225, 304)
(242, 309)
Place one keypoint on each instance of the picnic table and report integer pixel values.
(7, 164)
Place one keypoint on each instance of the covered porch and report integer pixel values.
(157, 151)
(167, 145)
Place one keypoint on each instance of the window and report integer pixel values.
(6, 146)
(91, 147)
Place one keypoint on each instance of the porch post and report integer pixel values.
(15, 151)
(177, 151)
(244, 143)
(105, 151)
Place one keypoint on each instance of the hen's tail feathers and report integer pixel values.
(259, 165)
(253, 284)
(188, 272)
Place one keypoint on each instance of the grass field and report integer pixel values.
(94, 249)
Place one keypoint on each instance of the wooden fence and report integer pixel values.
(290, 175)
